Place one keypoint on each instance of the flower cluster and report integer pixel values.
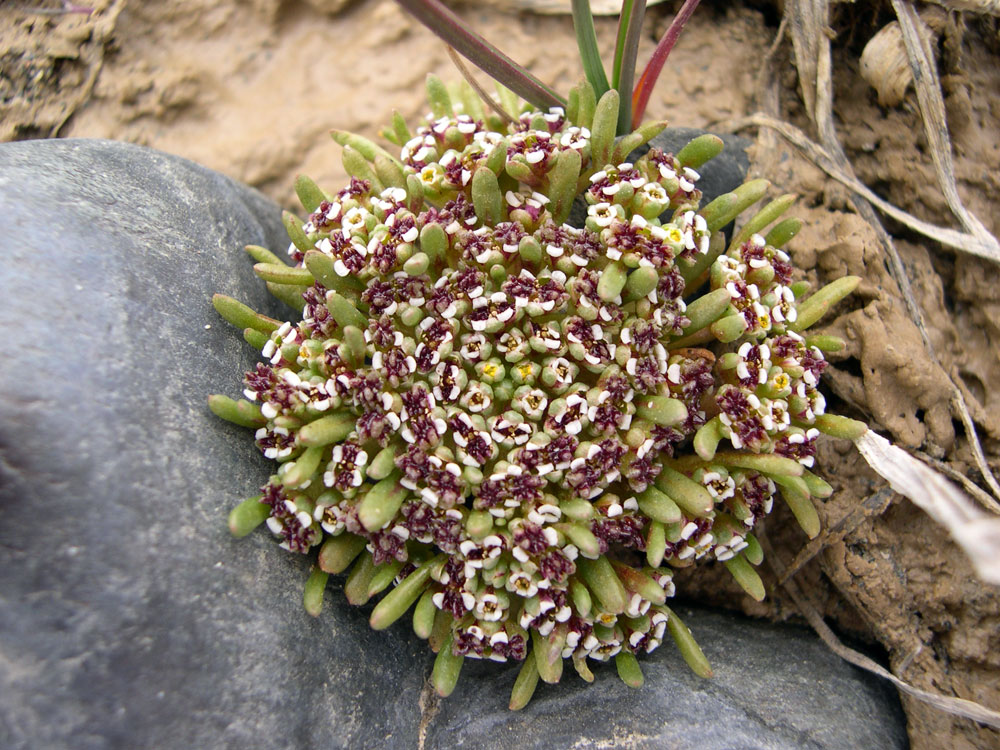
(519, 425)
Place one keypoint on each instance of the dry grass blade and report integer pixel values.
(955, 706)
(821, 158)
(925, 80)
(763, 72)
(977, 533)
(804, 18)
(973, 6)
(958, 403)
(967, 484)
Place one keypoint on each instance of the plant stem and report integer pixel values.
(449, 27)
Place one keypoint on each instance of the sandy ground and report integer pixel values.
(252, 89)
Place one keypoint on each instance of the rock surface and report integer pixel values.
(775, 687)
(129, 617)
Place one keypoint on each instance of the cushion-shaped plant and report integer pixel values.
(519, 427)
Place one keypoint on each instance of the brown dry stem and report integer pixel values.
(955, 706)
(822, 159)
(925, 80)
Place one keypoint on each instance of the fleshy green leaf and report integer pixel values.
(629, 670)
(247, 516)
(763, 218)
(603, 583)
(524, 685)
(700, 150)
(840, 427)
(284, 274)
(312, 596)
(326, 430)
(381, 503)
(309, 193)
(687, 645)
(814, 308)
(746, 577)
(242, 412)
(447, 667)
(424, 614)
(401, 598)
(602, 132)
(263, 255)
(338, 552)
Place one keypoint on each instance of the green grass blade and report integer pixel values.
(586, 39)
(625, 54)
(623, 21)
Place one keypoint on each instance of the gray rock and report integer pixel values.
(130, 618)
(775, 688)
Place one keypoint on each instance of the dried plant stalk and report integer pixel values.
(822, 159)
(992, 7)
(946, 703)
(925, 80)
(977, 533)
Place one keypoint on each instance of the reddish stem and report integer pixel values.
(644, 88)
(448, 26)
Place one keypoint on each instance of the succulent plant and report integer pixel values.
(518, 427)
(514, 423)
